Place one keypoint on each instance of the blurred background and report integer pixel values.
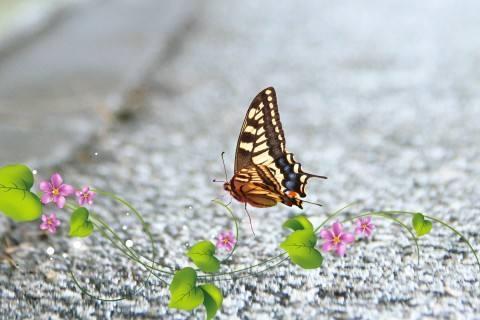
(141, 97)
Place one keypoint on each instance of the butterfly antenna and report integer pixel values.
(224, 167)
(250, 219)
(317, 204)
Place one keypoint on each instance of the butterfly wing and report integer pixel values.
(257, 186)
(262, 142)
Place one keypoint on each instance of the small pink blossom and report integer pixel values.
(50, 223)
(365, 226)
(55, 190)
(335, 238)
(85, 196)
(226, 240)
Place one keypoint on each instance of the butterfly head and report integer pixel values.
(227, 186)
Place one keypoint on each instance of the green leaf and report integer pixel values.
(213, 299)
(202, 254)
(421, 225)
(80, 226)
(16, 200)
(300, 246)
(184, 294)
(300, 222)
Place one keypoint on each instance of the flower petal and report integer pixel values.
(56, 180)
(340, 249)
(66, 190)
(46, 198)
(45, 186)
(326, 234)
(327, 246)
(44, 226)
(347, 237)
(337, 228)
(60, 201)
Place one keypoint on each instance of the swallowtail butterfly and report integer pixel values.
(265, 173)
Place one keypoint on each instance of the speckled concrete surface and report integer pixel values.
(382, 98)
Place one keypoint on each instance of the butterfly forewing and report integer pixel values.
(262, 143)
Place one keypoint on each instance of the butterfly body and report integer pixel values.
(265, 173)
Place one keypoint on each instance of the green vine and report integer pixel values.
(300, 246)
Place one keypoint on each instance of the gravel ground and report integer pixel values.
(379, 97)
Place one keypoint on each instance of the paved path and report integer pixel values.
(382, 98)
(65, 84)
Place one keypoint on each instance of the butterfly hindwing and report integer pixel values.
(258, 186)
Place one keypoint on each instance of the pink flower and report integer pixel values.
(55, 190)
(50, 223)
(335, 238)
(85, 196)
(365, 226)
(226, 240)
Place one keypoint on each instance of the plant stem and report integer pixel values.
(236, 227)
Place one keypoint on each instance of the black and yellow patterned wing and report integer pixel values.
(262, 143)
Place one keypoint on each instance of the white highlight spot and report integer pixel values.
(269, 98)
(77, 244)
(124, 227)
(34, 171)
(50, 251)
(268, 91)
(95, 153)
(129, 243)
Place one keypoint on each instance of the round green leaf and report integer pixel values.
(80, 226)
(16, 200)
(184, 294)
(202, 254)
(300, 246)
(421, 225)
(300, 222)
(213, 299)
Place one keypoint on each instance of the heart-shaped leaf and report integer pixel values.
(184, 294)
(80, 226)
(202, 254)
(16, 200)
(298, 223)
(300, 246)
(421, 225)
(213, 299)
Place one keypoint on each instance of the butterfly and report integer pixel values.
(265, 172)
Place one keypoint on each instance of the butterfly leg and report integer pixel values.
(250, 219)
